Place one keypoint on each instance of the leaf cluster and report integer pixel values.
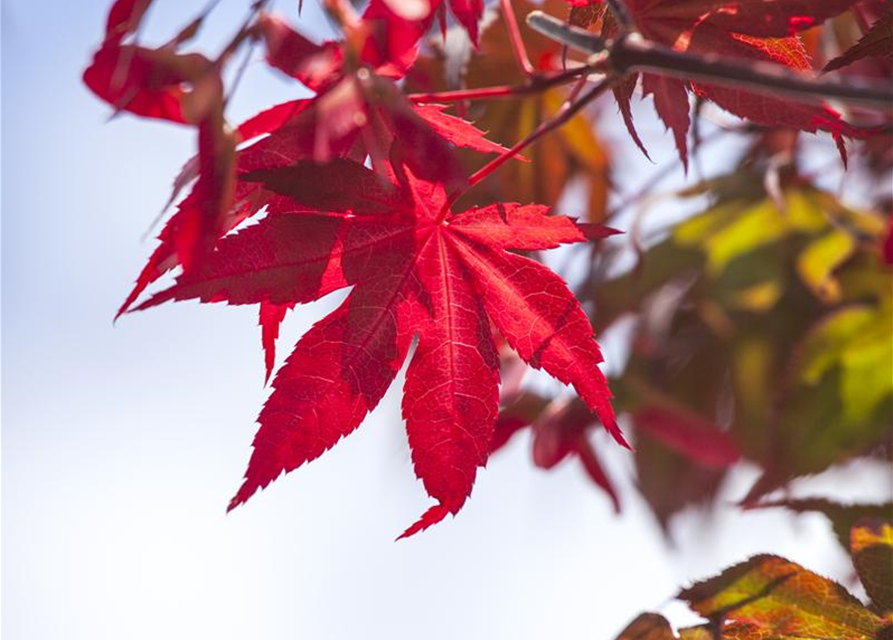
(762, 325)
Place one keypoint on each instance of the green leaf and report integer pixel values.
(855, 340)
(817, 263)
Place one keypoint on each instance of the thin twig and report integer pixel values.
(567, 111)
(518, 48)
(632, 54)
(534, 85)
(240, 72)
(245, 32)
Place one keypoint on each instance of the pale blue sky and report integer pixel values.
(121, 445)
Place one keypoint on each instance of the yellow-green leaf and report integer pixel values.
(784, 599)
(817, 263)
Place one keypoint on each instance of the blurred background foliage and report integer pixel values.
(760, 324)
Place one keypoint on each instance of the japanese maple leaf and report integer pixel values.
(761, 30)
(355, 114)
(415, 269)
(184, 88)
(560, 430)
(467, 12)
(572, 152)
(352, 99)
(877, 42)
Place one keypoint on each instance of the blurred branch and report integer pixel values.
(631, 53)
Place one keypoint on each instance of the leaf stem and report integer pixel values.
(536, 84)
(518, 47)
(633, 53)
(567, 111)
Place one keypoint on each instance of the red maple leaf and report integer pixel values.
(759, 30)
(876, 42)
(422, 12)
(560, 431)
(357, 112)
(184, 88)
(416, 270)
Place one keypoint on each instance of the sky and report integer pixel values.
(121, 445)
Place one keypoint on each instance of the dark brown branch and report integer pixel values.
(632, 53)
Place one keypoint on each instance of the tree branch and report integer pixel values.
(632, 53)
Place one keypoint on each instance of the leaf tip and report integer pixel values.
(431, 517)
(242, 495)
(613, 428)
(594, 231)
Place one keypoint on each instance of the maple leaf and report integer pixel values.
(571, 152)
(689, 434)
(877, 42)
(184, 88)
(125, 17)
(768, 597)
(350, 98)
(784, 599)
(270, 317)
(866, 532)
(420, 14)
(560, 430)
(355, 114)
(763, 329)
(757, 30)
(415, 269)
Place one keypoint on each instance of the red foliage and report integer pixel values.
(745, 30)
(358, 185)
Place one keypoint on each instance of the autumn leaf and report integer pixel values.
(782, 597)
(355, 114)
(741, 323)
(647, 626)
(871, 546)
(561, 429)
(467, 12)
(759, 326)
(689, 434)
(744, 30)
(184, 88)
(768, 597)
(876, 42)
(415, 269)
(573, 152)
(124, 17)
(270, 317)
